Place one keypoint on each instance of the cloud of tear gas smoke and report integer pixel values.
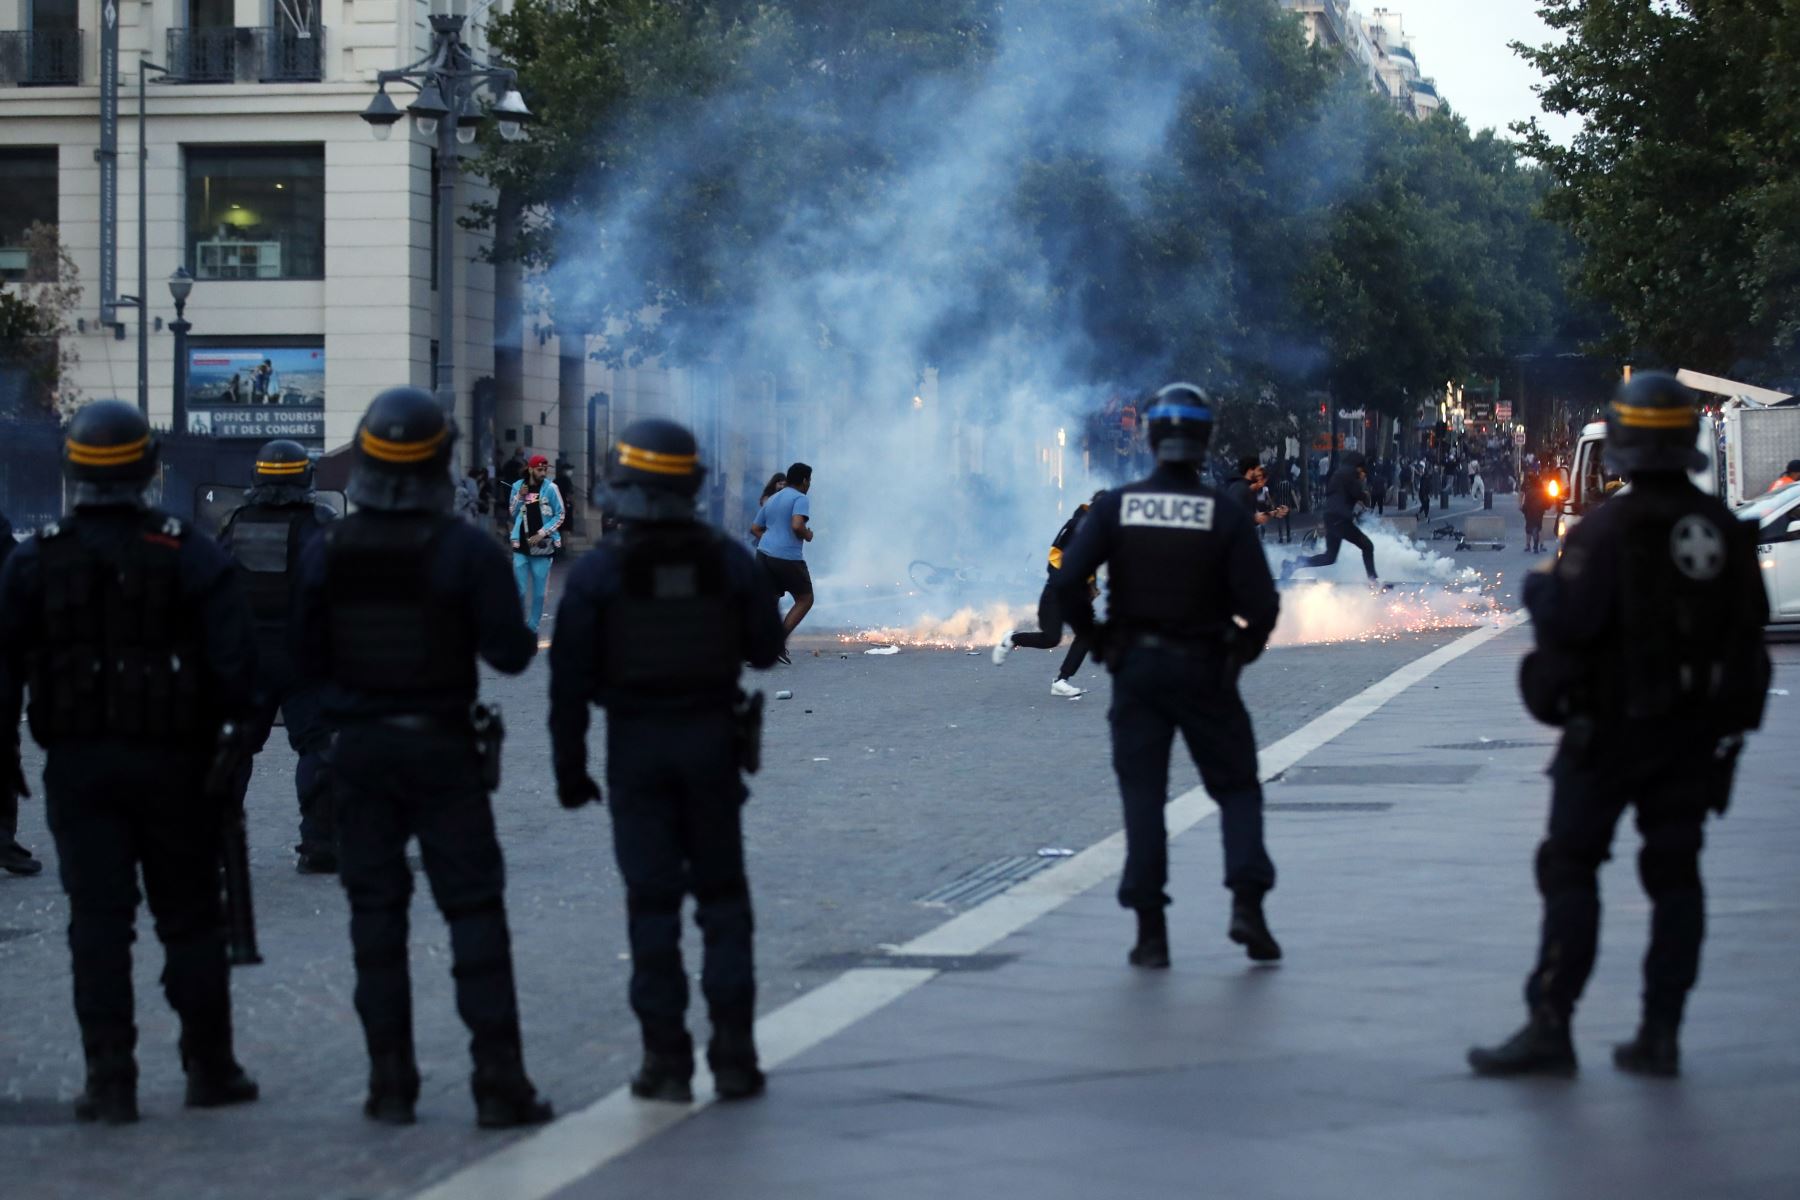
(940, 329)
(1334, 604)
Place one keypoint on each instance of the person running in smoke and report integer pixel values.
(1050, 616)
(782, 528)
(1347, 488)
(777, 481)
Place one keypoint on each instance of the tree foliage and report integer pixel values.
(37, 319)
(1682, 187)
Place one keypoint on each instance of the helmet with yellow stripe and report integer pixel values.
(655, 472)
(1652, 425)
(109, 453)
(401, 457)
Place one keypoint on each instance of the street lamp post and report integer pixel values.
(181, 283)
(448, 81)
(142, 299)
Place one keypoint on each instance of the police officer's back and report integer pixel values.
(395, 604)
(130, 631)
(1189, 601)
(655, 625)
(267, 535)
(1650, 657)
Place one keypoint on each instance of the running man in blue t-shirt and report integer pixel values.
(781, 532)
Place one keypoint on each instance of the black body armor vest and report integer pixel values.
(672, 630)
(387, 632)
(121, 656)
(1680, 632)
(264, 544)
(1166, 574)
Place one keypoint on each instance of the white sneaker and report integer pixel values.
(1003, 648)
(1067, 690)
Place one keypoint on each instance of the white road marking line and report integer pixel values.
(578, 1144)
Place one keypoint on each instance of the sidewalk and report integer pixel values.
(1044, 1067)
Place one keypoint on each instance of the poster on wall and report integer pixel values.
(259, 392)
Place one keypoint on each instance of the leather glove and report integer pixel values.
(575, 792)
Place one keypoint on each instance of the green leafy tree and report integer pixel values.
(1680, 188)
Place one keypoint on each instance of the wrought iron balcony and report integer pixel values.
(40, 58)
(240, 54)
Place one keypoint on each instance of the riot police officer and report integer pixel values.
(1650, 657)
(395, 604)
(266, 535)
(654, 626)
(14, 858)
(130, 631)
(1189, 602)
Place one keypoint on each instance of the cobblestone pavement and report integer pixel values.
(885, 779)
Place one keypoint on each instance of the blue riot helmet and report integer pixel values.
(1180, 422)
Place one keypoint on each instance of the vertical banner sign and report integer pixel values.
(108, 154)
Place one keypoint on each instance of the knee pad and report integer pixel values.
(1562, 869)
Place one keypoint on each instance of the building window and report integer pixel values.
(256, 212)
(28, 181)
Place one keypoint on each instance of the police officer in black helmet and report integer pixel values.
(396, 603)
(267, 534)
(654, 626)
(1189, 602)
(130, 631)
(1650, 657)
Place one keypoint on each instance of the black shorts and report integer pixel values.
(787, 575)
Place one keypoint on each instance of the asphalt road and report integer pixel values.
(885, 780)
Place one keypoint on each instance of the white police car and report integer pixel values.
(1777, 517)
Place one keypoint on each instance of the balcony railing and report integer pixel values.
(40, 58)
(245, 55)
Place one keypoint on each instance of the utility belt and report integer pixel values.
(1164, 643)
(482, 724)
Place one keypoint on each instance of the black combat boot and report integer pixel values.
(214, 1078)
(315, 860)
(1543, 1047)
(1656, 1050)
(393, 1087)
(18, 860)
(1249, 930)
(668, 1068)
(1152, 949)
(732, 1056)
(112, 1074)
(504, 1097)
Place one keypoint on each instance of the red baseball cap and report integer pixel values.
(537, 460)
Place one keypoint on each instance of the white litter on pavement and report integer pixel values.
(1778, 691)
(784, 694)
(1055, 852)
(821, 760)
(882, 650)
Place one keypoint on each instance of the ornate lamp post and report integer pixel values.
(181, 283)
(448, 81)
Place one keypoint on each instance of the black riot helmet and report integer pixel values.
(1652, 425)
(401, 459)
(284, 474)
(655, 473)
(1180, 421)
(109, 454)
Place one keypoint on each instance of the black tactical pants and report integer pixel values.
(676, 793)
(1590, 794)
(393, 785)
(117, 808)
(310, 738)
(1155, 693)
(1050, 630)
(1336, 534)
